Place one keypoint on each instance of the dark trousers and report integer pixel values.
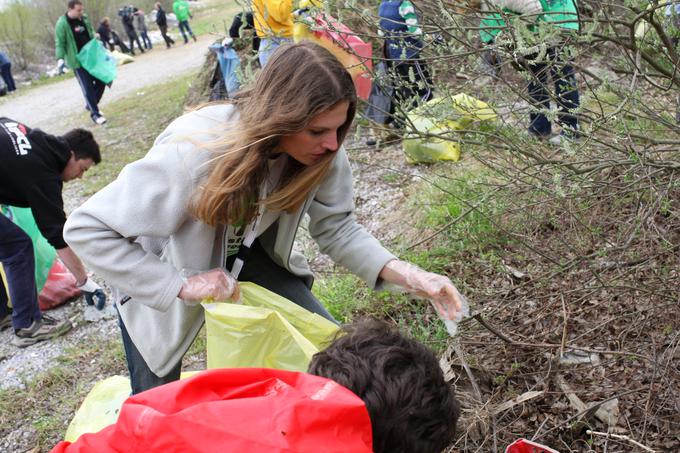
(259, 268)
(134, 39)
(164, 32)
(566, 93)
(146, 40)
(93, 90)
(184, 26)
(18, 261)
(6, 71)
(407, 93)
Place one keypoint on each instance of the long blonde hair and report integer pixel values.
(299, 82)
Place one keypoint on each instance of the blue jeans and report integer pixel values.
(259, 268)
(18, 261)
(267, 48)
(6, 72)
(184, 26)
(93, 90)
(566, 93)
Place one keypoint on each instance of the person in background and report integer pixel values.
(183, 14)
(72, 31)
(162, 22)
(555, 67)
(104, 32)
(6, 72)
(127, 17)
(403, 42)
(34, 167)
(238, 24)
(221, 195)
(143, 31)
(273, 20)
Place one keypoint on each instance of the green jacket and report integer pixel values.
(65, 43)
(562, 11)
(181, 10)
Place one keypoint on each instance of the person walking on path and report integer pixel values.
(143, 31)
(72, 32)
(183, 14)
(34, 167)
(6, 72)
(221, 195)
(273, 24)
(162, 22)
(127, 17)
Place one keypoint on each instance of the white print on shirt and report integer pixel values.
(21, 144)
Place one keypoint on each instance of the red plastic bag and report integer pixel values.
(59, 287)
(527, 446)
(254, 410)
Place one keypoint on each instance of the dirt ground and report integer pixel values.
(44, 106)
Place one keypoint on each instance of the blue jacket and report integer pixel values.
(4, 59)
(398, 42)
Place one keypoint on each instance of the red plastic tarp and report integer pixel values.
(252, 410)
(527, 446)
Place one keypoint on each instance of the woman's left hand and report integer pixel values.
(437, 288)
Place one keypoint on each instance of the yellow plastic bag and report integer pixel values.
(459, 112)
(267, 330)
(100, 408)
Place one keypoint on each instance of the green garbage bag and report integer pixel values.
(264, 331)
(43, 251)
(98, 61)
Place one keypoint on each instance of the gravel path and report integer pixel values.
(44, 106)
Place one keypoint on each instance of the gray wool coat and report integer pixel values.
(149, 200)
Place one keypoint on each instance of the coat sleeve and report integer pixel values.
(334, 227)
(60, 39)
(150, 197)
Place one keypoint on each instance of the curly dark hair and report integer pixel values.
(412, 408)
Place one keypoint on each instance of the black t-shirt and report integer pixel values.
(30, 175)
(79, 30)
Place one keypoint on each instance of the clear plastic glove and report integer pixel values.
(61, 65)
(213, 285)
(94, 294)
(400, 276)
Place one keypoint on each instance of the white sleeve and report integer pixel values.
(529, 7)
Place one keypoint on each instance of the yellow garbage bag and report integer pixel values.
(265, 330)
(122, 58)
(101, 406)
(438, 117)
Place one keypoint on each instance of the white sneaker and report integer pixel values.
(100, 120)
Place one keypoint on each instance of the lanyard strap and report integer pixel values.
(251, 229)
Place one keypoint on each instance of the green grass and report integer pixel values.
(435, 206)
(215, 17)
(48, 402)
(127, 136)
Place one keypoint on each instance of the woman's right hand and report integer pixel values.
(213, 285)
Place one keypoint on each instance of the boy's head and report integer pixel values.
(412, 408)
(83, 144)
